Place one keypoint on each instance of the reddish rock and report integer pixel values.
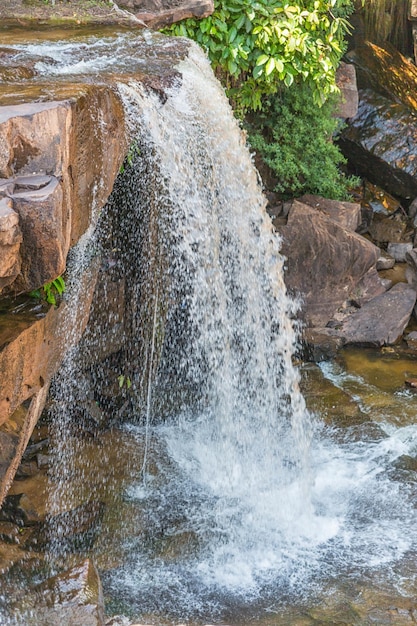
(158, 13)
(48, 173)
(73, 598)
(370, 286)
(325, 262)
(10, 240)
(347, 214)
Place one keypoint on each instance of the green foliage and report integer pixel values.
(132, 152)
(50, 291)
(258, 44)
(294, 138)
(122, 379)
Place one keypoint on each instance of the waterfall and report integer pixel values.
(225, 406)
(178, 426)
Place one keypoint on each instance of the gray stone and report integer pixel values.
(399, 251)
(381, 321)
(384, 230)
(157, 13)
(385, 261)
(412, 209)
(411, 340)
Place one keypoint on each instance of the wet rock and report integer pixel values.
(72, 531)
(412, 209)
(34, 449)
(26, 469)
(406, 462)
(347, 214)
(399, 251)
(73, 598)
(158, 13)
(381, 321)
(14, 436)
(10, 533)
(43, 461)
(19, 510)
(387, 229)
(322, 343)
(375, 143)
(411, 341)
(325, 262)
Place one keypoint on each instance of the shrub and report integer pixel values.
(259, 44)
(294, 138)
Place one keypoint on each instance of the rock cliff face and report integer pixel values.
(62, 146)
(49, 180)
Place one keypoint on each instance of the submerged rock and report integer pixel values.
(73, 598)
(71, 531)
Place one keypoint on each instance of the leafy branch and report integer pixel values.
(260, 44)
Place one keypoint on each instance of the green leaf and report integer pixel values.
(262, 59)
(288, 80)
(270, 66)
(279, 65)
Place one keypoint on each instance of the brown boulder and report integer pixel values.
(347, 214)
(325, 262)
(382, 320)
(48, 173)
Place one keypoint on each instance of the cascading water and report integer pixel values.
(238, 504)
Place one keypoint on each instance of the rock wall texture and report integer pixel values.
(61, 149)
(50, 182)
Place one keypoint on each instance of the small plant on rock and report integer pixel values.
(51, 291)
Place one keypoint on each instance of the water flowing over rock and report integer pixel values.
(51, 192)
(73, 598)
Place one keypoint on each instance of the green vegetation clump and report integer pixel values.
(294, 138)
(279, 59)
(256, 45)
